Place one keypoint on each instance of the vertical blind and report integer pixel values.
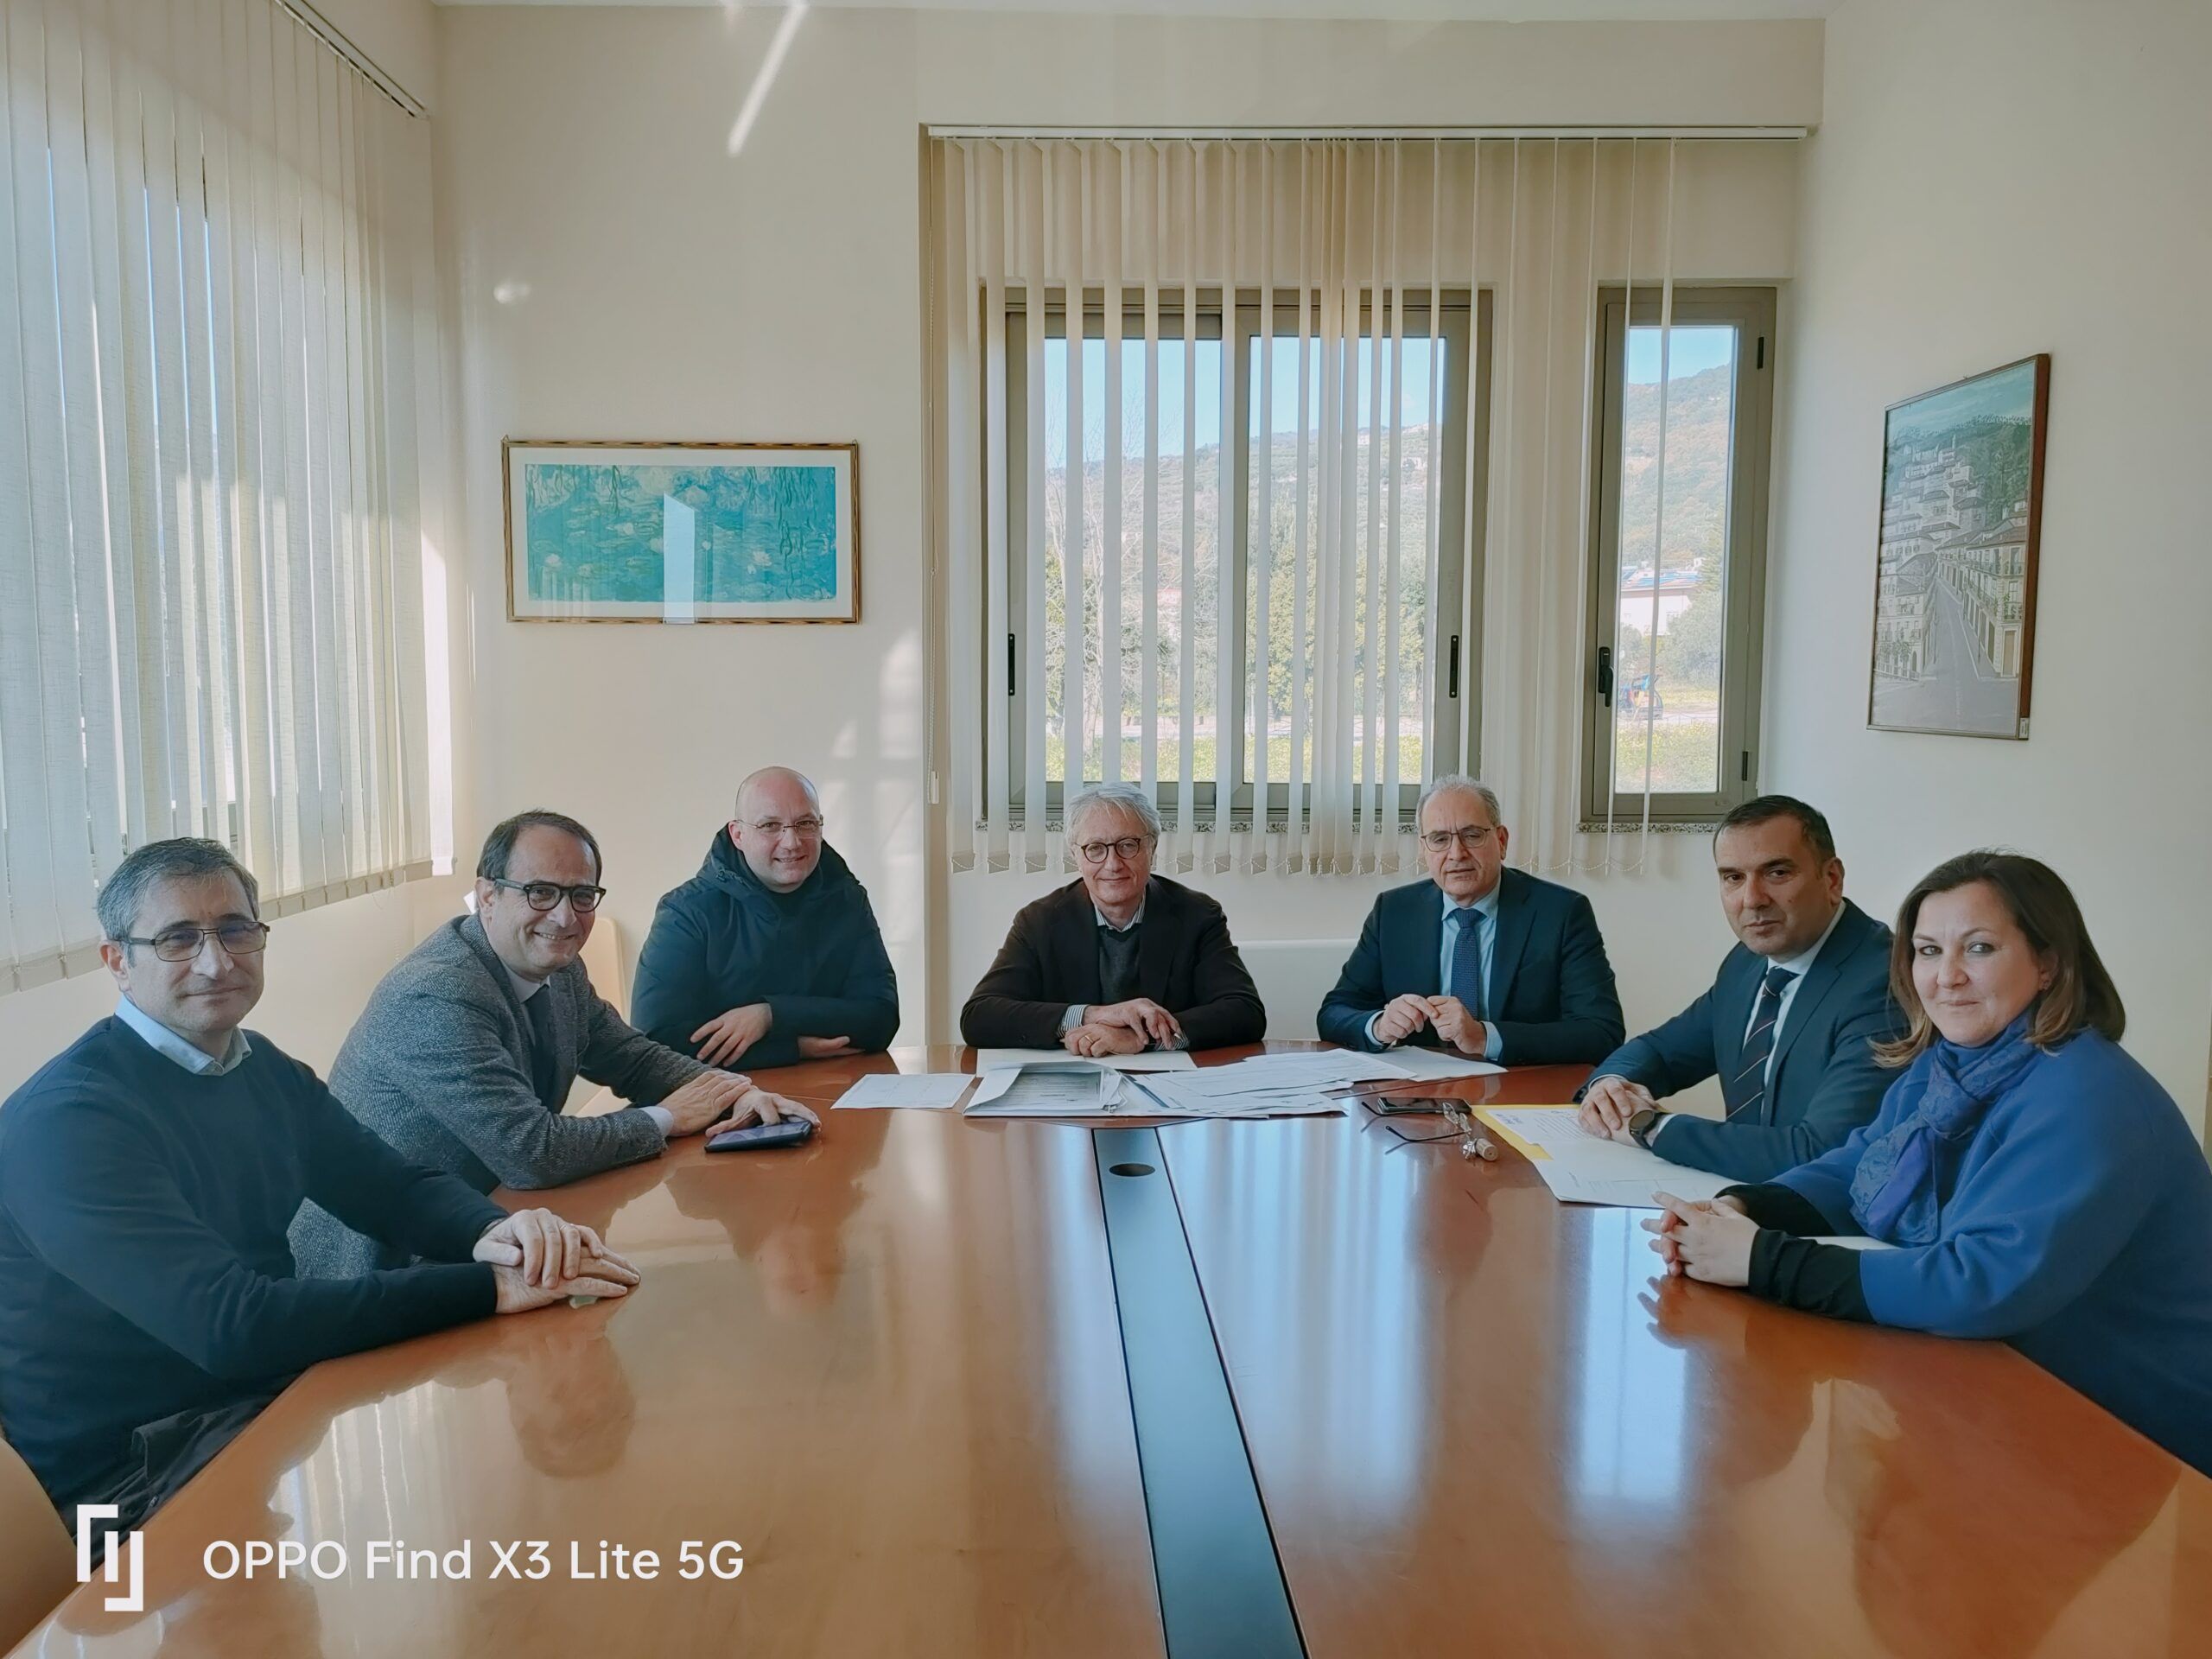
(1329, 498)
(212, 622)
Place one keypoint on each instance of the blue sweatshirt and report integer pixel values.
(144, 1267)
(722, 941)
(2078, 1228)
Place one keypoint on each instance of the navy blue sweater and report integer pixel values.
(2078, 1228)
(723, 941)
(144, 1267)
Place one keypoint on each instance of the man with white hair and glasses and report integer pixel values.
(1493, 963)
(1119, 960)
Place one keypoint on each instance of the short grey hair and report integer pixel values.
(1122, 798)
(185, 857)
(1451, 780)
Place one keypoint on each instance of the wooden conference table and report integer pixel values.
(891, 1367)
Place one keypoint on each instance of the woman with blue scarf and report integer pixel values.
(2036, 1183)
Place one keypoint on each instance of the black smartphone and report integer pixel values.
(791, 1132)
(1406, 1105)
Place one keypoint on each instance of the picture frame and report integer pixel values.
(761, 531)
(1956, 557)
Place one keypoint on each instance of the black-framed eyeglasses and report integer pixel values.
(182, 944)
(1094, 852)
(583, 899)
(1471, 838)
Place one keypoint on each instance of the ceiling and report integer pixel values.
(1410, 10)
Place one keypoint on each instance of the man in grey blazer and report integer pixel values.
(463, 1058)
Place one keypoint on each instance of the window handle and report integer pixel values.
(1606, 675)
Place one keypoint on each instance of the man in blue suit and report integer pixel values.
(1789, 1026)
(1496, 964)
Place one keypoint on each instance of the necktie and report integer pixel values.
(544, 1058)
(1746, 1092)
(1467, 960)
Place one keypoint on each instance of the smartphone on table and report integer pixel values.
(791, 1132)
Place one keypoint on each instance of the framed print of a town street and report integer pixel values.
(1955, 591)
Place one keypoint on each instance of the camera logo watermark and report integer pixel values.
(133, 1600)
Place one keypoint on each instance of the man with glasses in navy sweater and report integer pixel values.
(149, 1305)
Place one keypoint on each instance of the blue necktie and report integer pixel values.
(1748, 1088)
(1467, 960)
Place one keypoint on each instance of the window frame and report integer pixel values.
(1452, 720)
(1753, 311)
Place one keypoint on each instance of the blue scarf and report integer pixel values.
(1896, 1193)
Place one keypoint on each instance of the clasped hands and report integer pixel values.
(1121, 1028)
(1708, 1240)
(1404, 1016)
(538, 1258)
(1608, 1105)
(726, 1100)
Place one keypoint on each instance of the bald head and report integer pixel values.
(779, 827)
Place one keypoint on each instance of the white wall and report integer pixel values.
(674, 290)
(1992, 179)
(322, 966)
(399, 36)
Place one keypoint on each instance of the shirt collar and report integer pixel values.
(523, 988)
(1487, 904)
(173, 1048)
(1109, 926)
(1798, 963)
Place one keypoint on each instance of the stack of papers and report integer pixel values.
(1001, 1060)
(1065, 1088)
(1583, 1168)
(1435, 1064)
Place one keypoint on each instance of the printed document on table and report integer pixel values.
(1165, 1059)
(1057, 1091)
(1304, 1072)
(1436, 1065)
(1178, 1096)
(935, 1090)
(1583, 1168)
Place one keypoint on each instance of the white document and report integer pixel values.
(1853, 1241)
(1303, 1072)
(1435, 1064)
(1181, 1096)
(1165, 1059)
(936, 1090)
(1583, 1168)
(1055, 1090)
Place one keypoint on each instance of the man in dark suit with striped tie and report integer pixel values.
(1789, 1026)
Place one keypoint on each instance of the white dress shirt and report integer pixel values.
(171, 1047)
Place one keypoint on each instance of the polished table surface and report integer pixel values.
(889, 1366)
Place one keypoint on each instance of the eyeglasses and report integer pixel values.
(547, 895)
(1094, 852)
(1471, 838)
(804, 829)
(1474, 1143)
(182, 944)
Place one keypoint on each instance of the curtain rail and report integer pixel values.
(335, 37)
(936, 130)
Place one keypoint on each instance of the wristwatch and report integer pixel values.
(1640, 1122)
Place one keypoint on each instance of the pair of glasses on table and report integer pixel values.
(1474, 1143)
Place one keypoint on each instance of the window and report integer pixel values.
(1204, 653)
(1678, 553)
(208, 493)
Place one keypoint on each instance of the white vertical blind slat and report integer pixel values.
(1229, 493)
(995, 174)
(1155, 201)
(1186, 722)
(1035, 843)
(1110, 482)
(212, 632)
(1261, 539)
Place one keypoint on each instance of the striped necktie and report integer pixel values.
(1467, 960)
(1746, 1092)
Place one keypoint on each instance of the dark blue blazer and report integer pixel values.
(1550, 991)
(1825, 1081)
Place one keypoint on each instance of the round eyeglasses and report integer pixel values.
(547, 895)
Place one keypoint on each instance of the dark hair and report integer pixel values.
(1764, 809)
(2082, 993)
(500, 845)
(125, 891)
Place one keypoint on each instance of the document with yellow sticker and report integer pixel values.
(1583, 1168)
